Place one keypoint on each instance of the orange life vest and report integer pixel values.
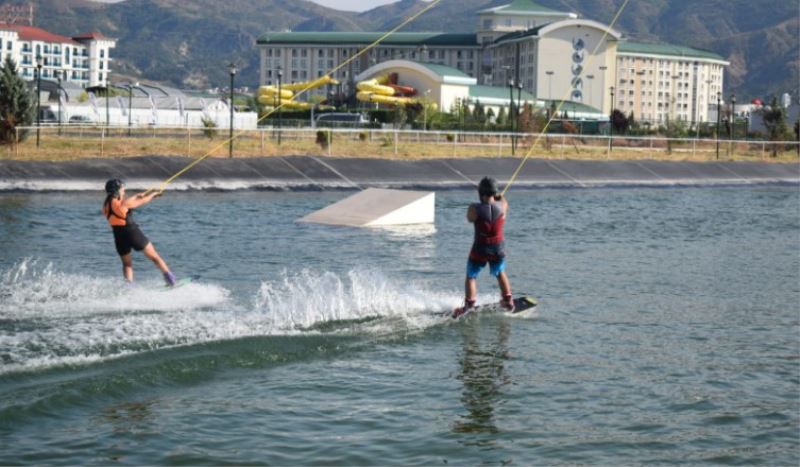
(116, 212)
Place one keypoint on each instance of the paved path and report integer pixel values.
(319, 173)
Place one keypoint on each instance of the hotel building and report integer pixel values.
(84, 59)
(552, 55)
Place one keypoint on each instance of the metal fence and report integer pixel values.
(79, 141)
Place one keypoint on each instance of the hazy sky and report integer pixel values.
(353, 5)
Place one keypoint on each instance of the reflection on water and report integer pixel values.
(482, 374)
(129, 417)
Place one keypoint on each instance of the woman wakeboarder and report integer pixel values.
(118, 210)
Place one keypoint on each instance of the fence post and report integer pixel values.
(16, 142)
(262, 142)
(395, 141)
(102, 141)
(330, 142)
(455, 142)
(694, 148)
(563, 143)
(763, 150)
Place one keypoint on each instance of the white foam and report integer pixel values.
(54, 318)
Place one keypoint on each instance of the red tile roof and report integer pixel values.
(30, 33)
(94, 35)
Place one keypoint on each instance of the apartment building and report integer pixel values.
(660, 83)
(84, 59)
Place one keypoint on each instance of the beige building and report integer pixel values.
(550, 54)
(84, 59)
(659, 83)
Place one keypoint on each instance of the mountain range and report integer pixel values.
(189, 43)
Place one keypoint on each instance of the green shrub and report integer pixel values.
(324, 138)
(210, 127)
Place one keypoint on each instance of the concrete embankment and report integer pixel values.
(316, 173)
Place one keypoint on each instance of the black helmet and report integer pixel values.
(113, 186)
(488, 187)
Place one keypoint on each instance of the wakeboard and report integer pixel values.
(521, 304)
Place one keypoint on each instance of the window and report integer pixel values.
(66, 58)
(487, 24)
(102, 53)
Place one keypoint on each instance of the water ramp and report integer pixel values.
(378, 207)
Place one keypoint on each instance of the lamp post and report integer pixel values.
(58, 92)
(511, 111)
(611, 123)
(38, 96)
(733, 120)
(108, 96)
(719, 96)
(232, 71)
(280, 116)
(425, 111)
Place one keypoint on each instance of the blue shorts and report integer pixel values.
(495, 267)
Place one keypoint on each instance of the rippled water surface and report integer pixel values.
(667, 332)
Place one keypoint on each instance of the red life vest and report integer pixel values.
(489, 242)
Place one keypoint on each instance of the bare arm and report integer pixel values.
(472, 214)
(140, 200)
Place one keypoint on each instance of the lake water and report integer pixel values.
(667, 332)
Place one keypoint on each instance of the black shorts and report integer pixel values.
(129, 237)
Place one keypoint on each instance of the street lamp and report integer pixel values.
(58, 93)
(611, 121)
(38, 96)
(733, 120)
(733, 116)
(108, 96)
(425, 104)
(232, 71)
(511, 110)
(719, 116)
(280, 105)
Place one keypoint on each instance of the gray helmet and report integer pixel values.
(487, 187)
(113, 186)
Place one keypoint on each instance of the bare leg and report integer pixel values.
(470, 290)
(127, 267)
(505, 285)
(151, 253)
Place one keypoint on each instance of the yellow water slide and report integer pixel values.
(268, 95)
(374, 90)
